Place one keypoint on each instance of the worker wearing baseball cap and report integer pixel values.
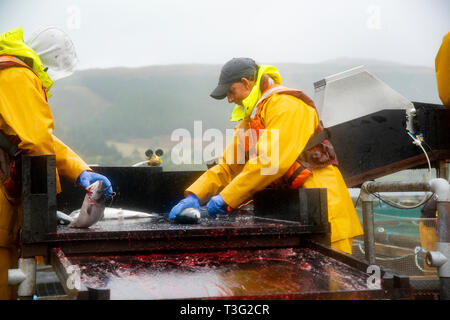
(305, 159)
(27, 72)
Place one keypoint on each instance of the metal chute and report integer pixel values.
(355, 93)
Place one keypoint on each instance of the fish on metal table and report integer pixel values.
(119, 213)
(93, 207)
(188, 216)
(109, 214)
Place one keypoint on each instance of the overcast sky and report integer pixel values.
(110, 33)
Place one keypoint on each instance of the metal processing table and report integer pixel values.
(282, 273)
(237, 257)
(283, 253)
(150, 234)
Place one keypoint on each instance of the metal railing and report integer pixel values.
(441, 189)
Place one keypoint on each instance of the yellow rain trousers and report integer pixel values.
(442, 64)
(25, 113)
(295, 123)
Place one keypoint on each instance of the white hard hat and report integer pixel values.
(56, 51)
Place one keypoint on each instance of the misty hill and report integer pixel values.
(110, 116)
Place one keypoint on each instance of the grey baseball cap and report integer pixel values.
(232, 71)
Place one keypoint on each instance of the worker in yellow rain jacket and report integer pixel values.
(279, 139)
(442, 65)
(427, 227)
(27, 71)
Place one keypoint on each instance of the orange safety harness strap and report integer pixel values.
(318, 153)
(10, 61)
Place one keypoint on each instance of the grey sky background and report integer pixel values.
(136, 33)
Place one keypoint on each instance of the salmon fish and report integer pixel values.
(93, 207)
(188, 216)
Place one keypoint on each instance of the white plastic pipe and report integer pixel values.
(441, 189)
(15, 276)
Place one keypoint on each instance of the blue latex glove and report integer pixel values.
(191, 201)
(215, 206)
(86, 178)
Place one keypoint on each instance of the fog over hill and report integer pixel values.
(109, 116)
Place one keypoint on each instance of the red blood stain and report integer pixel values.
(287, 272)
(305, 266)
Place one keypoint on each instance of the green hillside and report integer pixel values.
(110, 116)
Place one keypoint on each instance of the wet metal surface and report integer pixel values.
(285, 273)
(156, 233)
(160, 227)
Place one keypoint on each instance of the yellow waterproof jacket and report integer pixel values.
(295, 122)
(25, 113)
(442, 64)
